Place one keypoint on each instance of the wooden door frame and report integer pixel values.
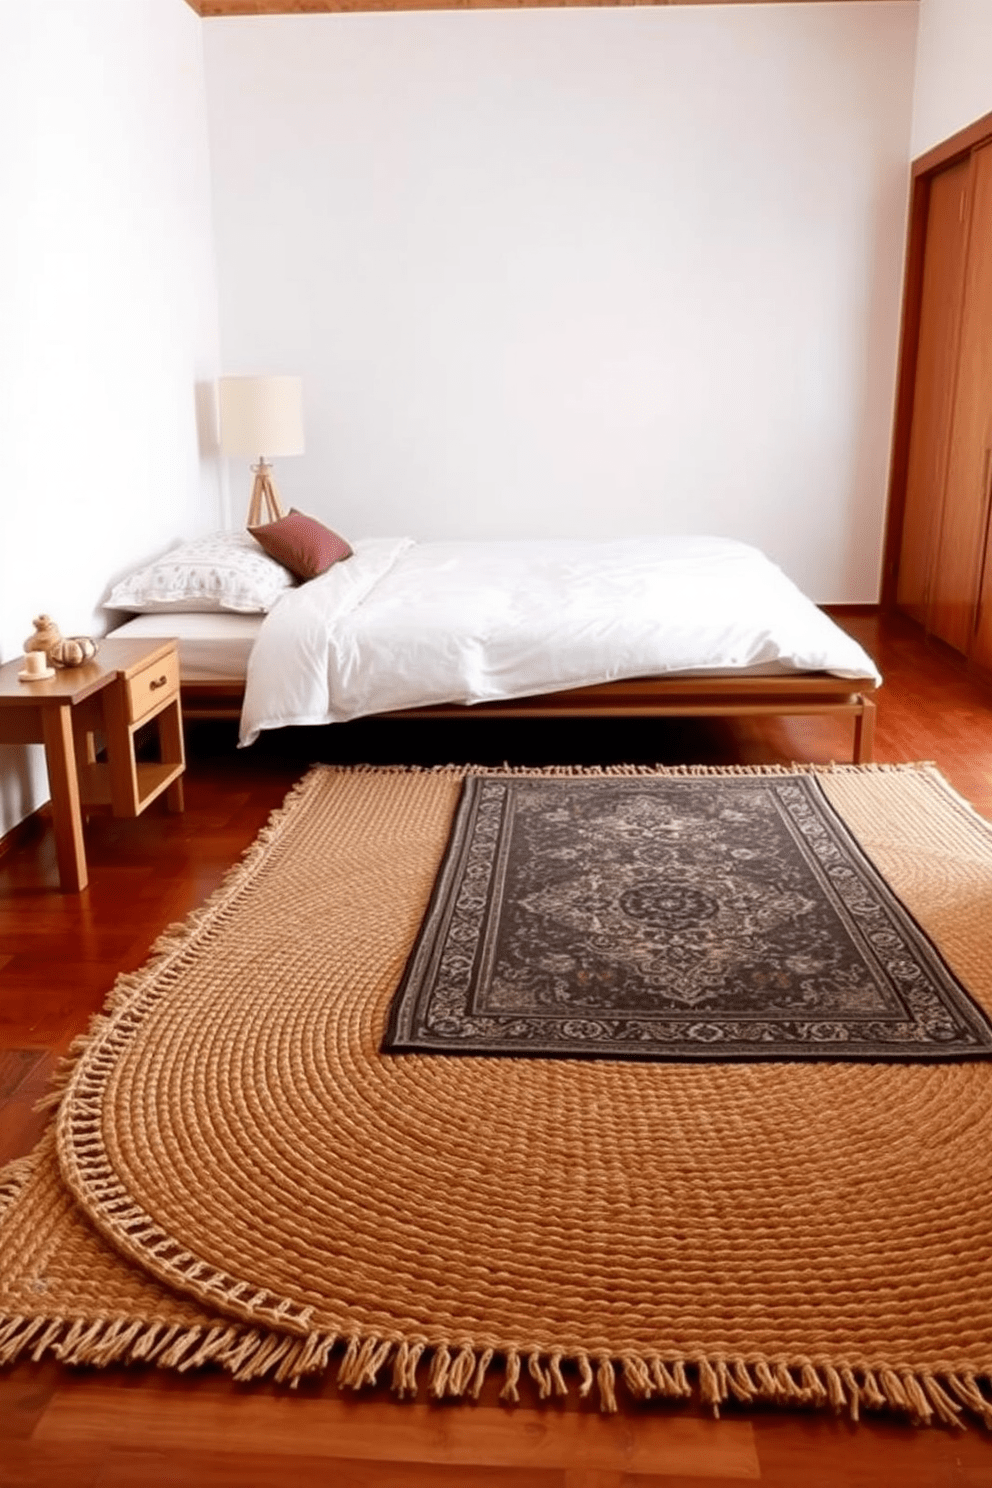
(947, 153)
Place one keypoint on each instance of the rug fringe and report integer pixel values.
(460, 771)
(606, 1380)
(405, 1363)
(966, 1388)
(437, 1378)
(462, 1371)
(509, 1390)
(586, 1376)
(481, 1369)
(458, 1369)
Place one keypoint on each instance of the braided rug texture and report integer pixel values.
(236, 1174)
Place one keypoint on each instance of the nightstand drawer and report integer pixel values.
(152, 686)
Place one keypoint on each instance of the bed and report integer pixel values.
(647, 627)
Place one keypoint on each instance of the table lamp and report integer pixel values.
(262, 416)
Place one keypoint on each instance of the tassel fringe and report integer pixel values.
(459, 1369)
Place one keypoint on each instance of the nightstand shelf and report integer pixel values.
(95, 792)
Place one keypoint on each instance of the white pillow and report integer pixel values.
(225, 571)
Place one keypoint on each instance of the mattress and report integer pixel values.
(212, 647)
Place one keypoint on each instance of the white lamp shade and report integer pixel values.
(261, 416)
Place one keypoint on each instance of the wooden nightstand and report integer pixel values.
(95, 722)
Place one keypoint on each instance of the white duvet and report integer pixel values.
(403, 624)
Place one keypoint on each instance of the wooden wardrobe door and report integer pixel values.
(936, 358)
(960, 544)
(981, 650)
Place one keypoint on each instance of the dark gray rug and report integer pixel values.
(671, 917)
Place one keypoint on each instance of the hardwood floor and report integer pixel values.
(59, 954)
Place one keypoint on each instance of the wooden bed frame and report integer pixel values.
(641, 697)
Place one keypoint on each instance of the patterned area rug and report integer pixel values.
(672, 918)
(238, 1175)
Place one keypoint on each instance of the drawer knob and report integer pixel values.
(160, 683)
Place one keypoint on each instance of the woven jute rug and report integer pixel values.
(237, 1174)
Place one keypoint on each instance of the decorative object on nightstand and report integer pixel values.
(262, 416)
(72, 651)
(36, 668)
(47, 640)
(44, 635)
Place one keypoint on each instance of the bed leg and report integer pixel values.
(864, 732)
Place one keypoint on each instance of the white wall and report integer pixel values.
(953, 69)
(576, 272)
(108, 307)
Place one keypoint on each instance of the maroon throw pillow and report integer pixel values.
(302, 544)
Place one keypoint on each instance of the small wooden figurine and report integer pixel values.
(61, 651)
(44, 635)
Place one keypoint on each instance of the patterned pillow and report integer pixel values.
(225, 571)
(303, 544)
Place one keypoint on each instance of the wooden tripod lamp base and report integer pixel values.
(264, 497)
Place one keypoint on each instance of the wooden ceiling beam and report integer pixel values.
(319, 7)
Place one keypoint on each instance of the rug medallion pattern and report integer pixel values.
(677, 918)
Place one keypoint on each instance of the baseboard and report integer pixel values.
(852, 609)
(24, 831)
